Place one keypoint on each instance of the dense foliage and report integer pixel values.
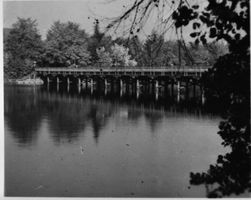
(67, 45)
(96, 41)
(22, 47)
(229, 80)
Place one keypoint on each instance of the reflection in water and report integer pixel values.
(98, 116)
(153, 119)
(127, 160)
(67, 120)
(69, 116)
(22, 114)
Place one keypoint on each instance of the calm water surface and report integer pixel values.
(94, 143)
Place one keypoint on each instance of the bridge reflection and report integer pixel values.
(71, 112)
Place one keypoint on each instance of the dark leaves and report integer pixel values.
(196, 25)
(228, 20)
(219, 25)
(212, 32)
(203, 39)
(195, 7)
(243, 4)
(237, 36)
(197, 41)
(183, 16)
(194, 34)
(203, 19)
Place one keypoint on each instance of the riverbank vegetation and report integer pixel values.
(67, 45)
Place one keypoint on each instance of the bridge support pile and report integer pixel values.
(155, 78)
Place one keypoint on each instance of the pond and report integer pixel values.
(103, 144)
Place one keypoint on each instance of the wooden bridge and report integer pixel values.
(162, 75)
(132, 72)
(134, 77)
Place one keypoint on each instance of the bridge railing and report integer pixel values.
(126, 69)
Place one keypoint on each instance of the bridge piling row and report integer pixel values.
(174, 81)
(176, 87)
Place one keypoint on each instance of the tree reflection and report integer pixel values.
(134, 114)
(154, 119)
(70, 114)
(98, 117)
(67, 121)
(67, 115)
(22, 114)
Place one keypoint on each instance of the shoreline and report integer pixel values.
(23, 81)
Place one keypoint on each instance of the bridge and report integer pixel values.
(154, 72)
(134, 76)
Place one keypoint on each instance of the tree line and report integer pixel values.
(67, 45)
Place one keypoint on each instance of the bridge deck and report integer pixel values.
(132, 71)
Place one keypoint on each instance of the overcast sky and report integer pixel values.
(82, 11)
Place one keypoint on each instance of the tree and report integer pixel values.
(120, 56)
(135, 47)
(229, 79)
(98, 40)
(206, 54)
(153, 49)
(104, 57)
(66, 45)
(216, 49)
(24, 47)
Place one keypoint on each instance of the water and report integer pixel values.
(97, 143)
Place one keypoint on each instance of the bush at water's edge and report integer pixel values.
(23, 81)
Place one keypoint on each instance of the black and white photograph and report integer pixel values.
(126, 98)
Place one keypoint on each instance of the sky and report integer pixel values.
(82, 11)
(47, 12)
